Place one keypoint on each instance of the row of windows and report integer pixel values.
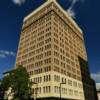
(47, 89)
(34, 34)
(26, 51)
(40, 38)
(67, 91)
(63, 64)
(68, 72)
(46, 54)
(39, 64)
(32, 37)
(46, 78)
(72, 50)
(38, 57)
(38, 45)
(40, 21)
(62, 23)
(39, 70)
(56, 55)
(57, 78)
(32, 42)
(68, 41)
(38, 90)
(69, 82)
(72, 72)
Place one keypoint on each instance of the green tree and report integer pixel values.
(1, 91)
(4, 86)
(20, 83)
(5, 83)
(18, 80)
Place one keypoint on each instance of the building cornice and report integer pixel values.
(47, 3)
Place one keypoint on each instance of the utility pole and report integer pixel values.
(61, 89)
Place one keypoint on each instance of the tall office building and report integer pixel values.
(52, 49)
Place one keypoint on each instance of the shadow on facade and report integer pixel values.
(89, 86)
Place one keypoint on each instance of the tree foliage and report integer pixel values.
(5, 83)
(1, 91)
(18, 80)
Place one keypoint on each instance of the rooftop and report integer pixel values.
(57, 4)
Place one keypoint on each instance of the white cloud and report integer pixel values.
(18, 2)
(2, 56)
(70, 10)
(96, 76)
(5, 53)
(71, 13)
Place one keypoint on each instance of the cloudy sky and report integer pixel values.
(85, 12)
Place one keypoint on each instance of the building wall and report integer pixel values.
(98, 96)
(49, 47)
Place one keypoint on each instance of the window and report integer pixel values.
(48, 46)
(48, 53)
(56, 47)
(46, 89)
(70, 82)
(47, 78)
(57, 89)
(47, 61)
(75, 84)
(63, 80)
(56, 78)
(48, 34)
(38, 71)
(48, 68)
(57, 69)
(39, 90)
(56, 41)
(48, 40)
(56, 61)
(70, 92)
(79, 85)
(56, 54)
(76, 93)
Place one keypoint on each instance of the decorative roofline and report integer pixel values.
(65, 12)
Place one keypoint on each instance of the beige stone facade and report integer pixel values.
(49, 47)
(98, 93)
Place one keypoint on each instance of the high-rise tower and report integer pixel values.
(52, 49)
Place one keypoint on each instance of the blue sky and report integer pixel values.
(85, 12)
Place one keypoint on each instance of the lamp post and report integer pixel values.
(61, 89)
(35, 91)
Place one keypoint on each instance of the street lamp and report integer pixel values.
(60, 88)
(35, 91)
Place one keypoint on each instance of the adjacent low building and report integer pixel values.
(98, 93)
(98, 90)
